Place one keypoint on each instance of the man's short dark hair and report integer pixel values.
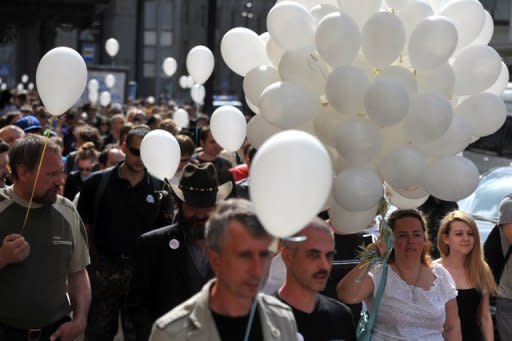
(27, 152)
(239, 210)
(187, 146)
(137, 131)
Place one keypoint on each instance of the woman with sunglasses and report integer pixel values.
(458, 242)
(418, 302)
(86, 163)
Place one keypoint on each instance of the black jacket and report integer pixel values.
(164, 277)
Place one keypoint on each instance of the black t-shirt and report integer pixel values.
(233, 328)
(331, 320)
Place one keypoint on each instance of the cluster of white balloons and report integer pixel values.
(104, 98)
(393, 89)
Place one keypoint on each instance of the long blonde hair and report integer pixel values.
(478, 271)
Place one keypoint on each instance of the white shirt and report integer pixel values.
(399, 317)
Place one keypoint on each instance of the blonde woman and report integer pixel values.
(458, 242)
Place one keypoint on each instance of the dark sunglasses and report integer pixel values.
(88, 169)
(134, 151)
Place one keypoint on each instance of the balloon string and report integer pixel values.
(35, 183)
(255, 304)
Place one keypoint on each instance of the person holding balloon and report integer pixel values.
(461, 254)
(419, 299)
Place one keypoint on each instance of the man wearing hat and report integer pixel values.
(504, 301)
(29, 124)
(171, 263)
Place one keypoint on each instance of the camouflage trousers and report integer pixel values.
(110, 282)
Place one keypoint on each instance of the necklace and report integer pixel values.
(413, 286)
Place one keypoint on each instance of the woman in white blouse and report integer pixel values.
(419, 300)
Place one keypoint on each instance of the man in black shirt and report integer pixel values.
(308, 265)
(117, 205)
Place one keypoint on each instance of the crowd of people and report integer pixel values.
(90, 238)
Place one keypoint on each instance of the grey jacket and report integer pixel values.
(192, 320)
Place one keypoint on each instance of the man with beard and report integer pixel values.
(118, 205)
(43, 252)
(308, 265)
(171, 262)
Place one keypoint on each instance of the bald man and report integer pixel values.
(308, 266)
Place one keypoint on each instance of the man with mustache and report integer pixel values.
(171, 263)
(229, 306)
(308, 265)
(43, 259)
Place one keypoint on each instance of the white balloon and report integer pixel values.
(112, 47)
(24, 79)
(257, 80)
(105, 98)
(183, 81)
(440, 80)
(350, 222)
(228, 127)
(190, 82)
(382, 39)
(30, 86)
(110, 81)
(327, 123)
(198, 92)
(413, 192)
(401, 201)
(397, 4)
(61, 77)
(435, 4)
(487, 31)
(412, 14)
(306, 70)
(93, 96)
(451, 178)
(476, 69)
(288, 105)
(345, 89)
(468, 17)
(357, 189)
(169, 66)
(93, 85)
(429, 117)
(200, 63)
(486, 112)
(160, 153)
(456, 138)
(242, 50)
(292, 27)
(502, 81)
(378, 105)
(270, 169)
(3, 86)
(181, 118)
(150, 100)
(361, 63)
(360, 10)
(358, 141)
(402, 76)
(259, 130)
(338, 39)
(403, 166)
(274, 52)
(322, 10)
(19, 87)
(432, 43)
(252, 106)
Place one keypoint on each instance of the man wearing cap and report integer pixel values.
(504, 301)
(29, 124)
(171, 262)
(308, 265)
(238, 251)
(118, 205)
